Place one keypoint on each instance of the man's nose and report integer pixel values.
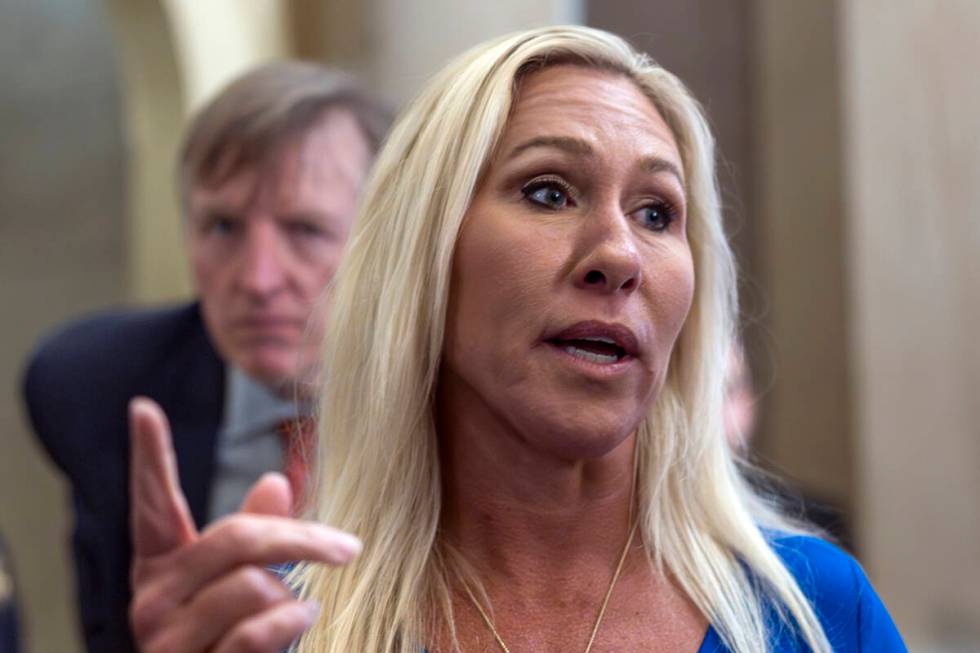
(610, 261)
(261, 269)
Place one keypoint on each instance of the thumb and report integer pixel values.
(161, 520)
(271, 495)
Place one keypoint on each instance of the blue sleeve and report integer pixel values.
(853, 616)
(876, 630)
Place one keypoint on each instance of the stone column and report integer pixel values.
(153, 100)
(219, 39)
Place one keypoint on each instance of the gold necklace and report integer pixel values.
(602, 608)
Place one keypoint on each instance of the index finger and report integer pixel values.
(161, 520)
(262, 540)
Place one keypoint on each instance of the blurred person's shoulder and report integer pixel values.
(107, 344)
(82, 375)
(852, 614)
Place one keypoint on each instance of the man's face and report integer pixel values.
(265, 243)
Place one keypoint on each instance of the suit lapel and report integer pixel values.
(194, 403)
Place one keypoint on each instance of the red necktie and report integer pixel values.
(298, 437)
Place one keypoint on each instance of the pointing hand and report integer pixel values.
(210, 591)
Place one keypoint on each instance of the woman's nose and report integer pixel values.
(611, 263)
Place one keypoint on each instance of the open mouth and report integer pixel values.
(599, 343)
(599, 350)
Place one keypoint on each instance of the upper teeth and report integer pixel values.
(608, 341)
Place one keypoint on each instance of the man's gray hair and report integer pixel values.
(258, 114)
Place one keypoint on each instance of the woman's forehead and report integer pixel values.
(591, 106)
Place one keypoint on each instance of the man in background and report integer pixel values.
(269, 177)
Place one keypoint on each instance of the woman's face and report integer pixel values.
(572, 274)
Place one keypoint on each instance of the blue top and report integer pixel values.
(853, 617)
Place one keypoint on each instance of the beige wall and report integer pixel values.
(869, 160)
(62, 208)
(800, 226)
(395, 45)
(153, 98)
(219, 39)
(912, 109)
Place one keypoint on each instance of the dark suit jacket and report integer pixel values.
(77, 387)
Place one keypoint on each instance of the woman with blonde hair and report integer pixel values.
(521, 415)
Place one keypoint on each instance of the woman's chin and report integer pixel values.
(582, 435)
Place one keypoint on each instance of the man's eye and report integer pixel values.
(304, 229)
(221, 226)
(550, 194)
(657, 216)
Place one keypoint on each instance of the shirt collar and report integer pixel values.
(252, 408)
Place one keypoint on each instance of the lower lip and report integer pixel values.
(594, 368)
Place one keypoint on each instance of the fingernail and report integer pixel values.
(312, 609)
(139, 404)
(349, 545)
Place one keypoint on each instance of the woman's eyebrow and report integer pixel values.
(656, 165)
(572, 145)
(652, 164)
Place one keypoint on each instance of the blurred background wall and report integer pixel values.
(911, 119)
(850, 161)
(64, 174)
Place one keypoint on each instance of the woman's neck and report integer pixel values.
(544, 533)
(524, 515)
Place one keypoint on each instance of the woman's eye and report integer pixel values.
(657, 216)
(549, 194)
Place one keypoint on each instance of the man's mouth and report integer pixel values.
(261, 322)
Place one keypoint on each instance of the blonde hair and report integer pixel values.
(379, 474)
